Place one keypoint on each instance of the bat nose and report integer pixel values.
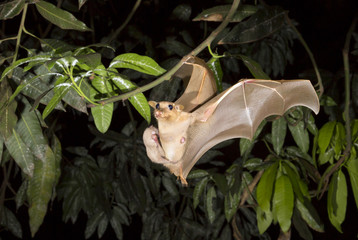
(157, 114)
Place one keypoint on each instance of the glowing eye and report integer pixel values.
(170, 107)
(157, 106)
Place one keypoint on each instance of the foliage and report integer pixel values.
(49, 80)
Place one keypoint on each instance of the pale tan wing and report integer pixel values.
(201, 86)
(237, 112)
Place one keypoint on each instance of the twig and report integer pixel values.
(334, 169)
(169, 73)
(247, 192)
(310, 54)
(119, 30)
(22, 23)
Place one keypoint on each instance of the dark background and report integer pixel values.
(323, 24)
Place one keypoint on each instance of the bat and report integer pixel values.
(198, 120)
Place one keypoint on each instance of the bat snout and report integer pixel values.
(158, 114)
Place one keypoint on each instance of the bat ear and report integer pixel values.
(152, 104)
(179, 107)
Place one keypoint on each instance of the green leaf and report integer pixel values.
(300, 135)
(29, 85)
(198, 173)
(9, 221)
(60, 90)
(221, 182)
(120, 215)
(211, 194)
(59, 17)
(218, 13)
(102, 226)
(8, 118)
(253, 164)
(102, 114)
(311, 126)
(169, 185)
(21, 153)
(339, 139)
(92, 60)
(254, 67)
(215, 67)
(355, 130)
(263, 23)
(309, 215)
(198, 190)
(264, 219)
(139, 101)
(137, 62)
(231, 204)
(21, 194)
(19, 62)
(352, 167)
(326, 156)
(117, 227)
(36, 87)
(301, 226)
(40, 189)
(92, 223)
(77, 102)
(294, 179)
(11, 9)
(1, 148)
(337, 199)
(29, 129)
(327, 101)
(57, 151)
(264, 188)
(246, 145)
(325, 135)
(283, 202)
(278, 134)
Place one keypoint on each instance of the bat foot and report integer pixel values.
(155, 137)
(181, 177)
(183, 181)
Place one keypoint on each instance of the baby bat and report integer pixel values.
(192, 125)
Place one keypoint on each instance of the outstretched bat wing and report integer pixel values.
(238, 111)
(201, 86)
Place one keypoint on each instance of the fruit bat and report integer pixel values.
(198, 120)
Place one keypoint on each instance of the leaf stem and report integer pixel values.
(169, 73)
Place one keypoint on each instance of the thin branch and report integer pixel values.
(347, 150)
(248, 191)
(334, 169)
(310, 54)
(169, 73)
(347, 85)
(119, 30)
(22, 24)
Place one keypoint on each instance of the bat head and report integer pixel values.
(166, 110)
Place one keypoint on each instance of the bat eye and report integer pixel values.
(157, 106)
(170, 107)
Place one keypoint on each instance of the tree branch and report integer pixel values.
(169, 73)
